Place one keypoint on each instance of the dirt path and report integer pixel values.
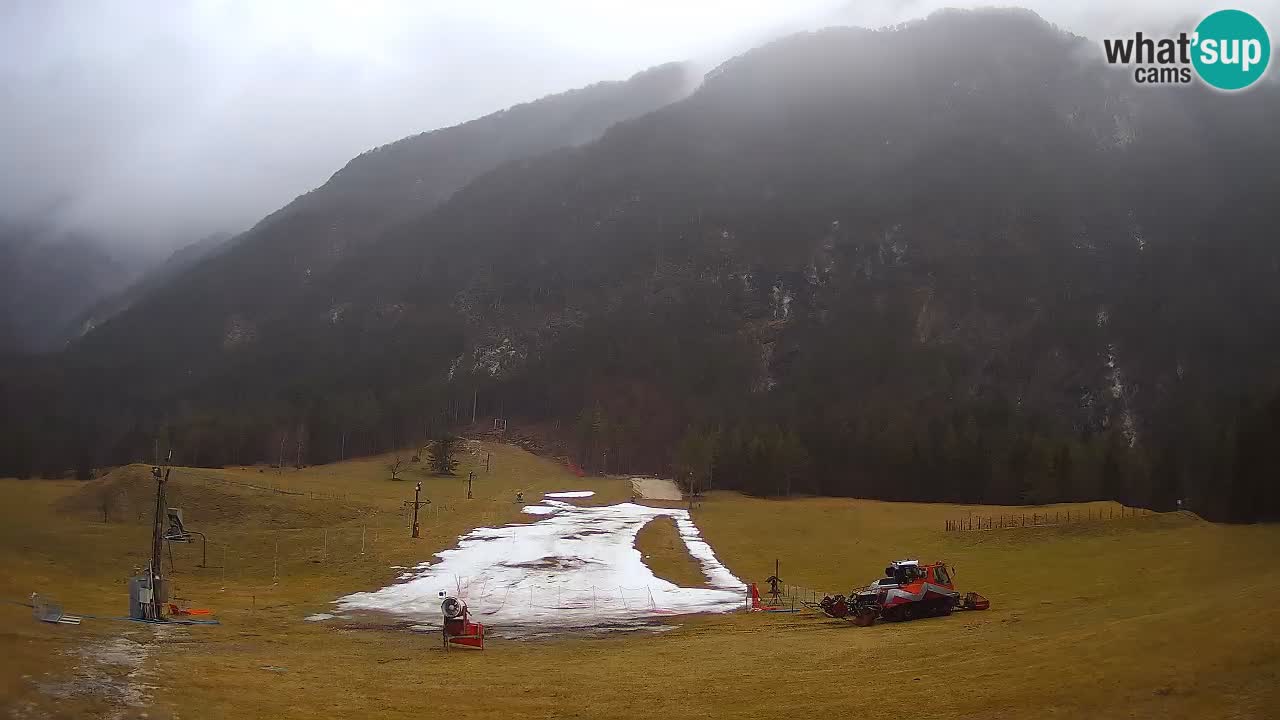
(655, 489)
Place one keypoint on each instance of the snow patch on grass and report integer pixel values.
(575, 568)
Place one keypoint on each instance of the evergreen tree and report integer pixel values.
(695, 458)
(84, 463)
(791, 460)
(1253, 494)
(1113, 479)
(441, 454)
(1061, 473)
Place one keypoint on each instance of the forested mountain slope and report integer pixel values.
(178, 262)
(221, 303)
(48, 278)
(959, 259)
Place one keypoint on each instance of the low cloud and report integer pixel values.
(157, 123)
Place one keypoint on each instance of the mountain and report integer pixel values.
(48, 278)
(223, 301)
(180, 260)
(959, 259)
(955, 259)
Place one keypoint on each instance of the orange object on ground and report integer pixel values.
(756, 605)
(175, 610)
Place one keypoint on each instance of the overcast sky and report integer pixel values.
(154, 123)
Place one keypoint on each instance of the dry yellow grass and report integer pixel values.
(1163, 616)
(665, 554)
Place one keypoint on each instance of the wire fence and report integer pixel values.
(279, 557)
(788, 597)
(297, 490)
(1010, 521)
(267, 486)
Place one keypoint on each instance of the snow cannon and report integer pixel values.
(458, 630)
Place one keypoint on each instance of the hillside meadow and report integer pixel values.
(1151, 616)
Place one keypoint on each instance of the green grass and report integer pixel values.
(1163, 616)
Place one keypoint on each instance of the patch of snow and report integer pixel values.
(570, 494)
(319, 616)
(1128, 424)
(575, 568)
(780, 298)
(1125, 131)
(1138, 236)
(1117, 379)
(239, 331)
(337, 312)
(495, 360)
(766, 381)
(1129, 427)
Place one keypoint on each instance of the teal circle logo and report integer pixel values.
(1231, 49)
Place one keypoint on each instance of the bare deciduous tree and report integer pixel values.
(106, 501)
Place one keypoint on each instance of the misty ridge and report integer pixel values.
(958, 258)
(176, 157)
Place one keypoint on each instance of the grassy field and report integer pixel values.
(1158, 616)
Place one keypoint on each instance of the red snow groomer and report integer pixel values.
(908, 590)
(458, 629)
